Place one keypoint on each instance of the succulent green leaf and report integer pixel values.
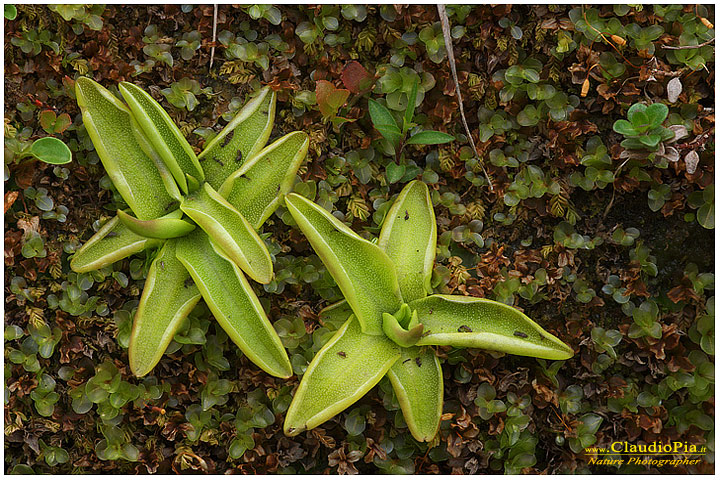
(402, 315)
(430, 137)
(165, 175)
(364, 273)
(109, 125)
(256, 189)
(335, 314)
(384, 122)
(164, 135)
(409, 236)
(169, 226)
(192, 183)
(417, 380)
(168, 297)
(414, 320)
(344, 370)
(113, 242)
(233, 303)
(230, 231)
(240, 140)
(395, 332)
(480, 323)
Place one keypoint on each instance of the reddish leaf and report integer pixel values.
(47, 120)
(329, 98)
(355, 77)
(62, 123)
(10, 198)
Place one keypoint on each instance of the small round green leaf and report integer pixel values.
(10, 12)
(51, 150)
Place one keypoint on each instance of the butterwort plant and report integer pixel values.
(200, 213)
(391, 318)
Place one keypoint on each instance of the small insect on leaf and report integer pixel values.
(228, 138)
(465, 328)
(520, 334)
(342, 354)
(418, 361)
(407, 215)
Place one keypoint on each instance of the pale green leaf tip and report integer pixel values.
(395, 331)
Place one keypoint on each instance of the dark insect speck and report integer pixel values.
(228, 138)
(464, 328)
(430, 311)
(161, 264)
(425, 334)
(342, 354)
(407, 215)
(222, 164)
(520, 334)
(238, 158)
(418, 361)
(112, 234)
(405, 361)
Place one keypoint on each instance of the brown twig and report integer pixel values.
(688, 47)
(612, 199)
(445, 22)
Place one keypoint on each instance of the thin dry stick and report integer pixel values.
(688, 47)
(445, 22)
(212, 49)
